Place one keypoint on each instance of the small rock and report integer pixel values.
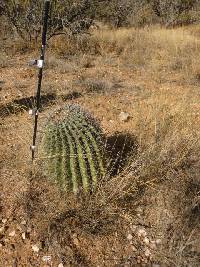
(129, 237)
(158, 241)
(76, 241)
(60, 265)
(4, 221)
(1, 229)
(23, 236)
(147, 253)
(139, 259)
(142, 233)
(35, 248)
(23, 222)
(146, 241)
(124, 116)
(11, 234)
(134, 248)
(74, 235)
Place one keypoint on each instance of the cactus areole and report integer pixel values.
(72, 148)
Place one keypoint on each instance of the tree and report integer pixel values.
(170, 11)
(66, 17)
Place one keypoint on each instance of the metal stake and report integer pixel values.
(40, 63)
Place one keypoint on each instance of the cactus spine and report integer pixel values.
(73, 149)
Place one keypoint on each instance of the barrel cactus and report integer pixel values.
(72, 148)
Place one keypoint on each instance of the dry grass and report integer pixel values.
(158, 189)
(155, 50)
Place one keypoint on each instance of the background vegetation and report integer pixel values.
(77, 16)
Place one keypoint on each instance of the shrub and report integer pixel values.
(173, 12)
(65, 17)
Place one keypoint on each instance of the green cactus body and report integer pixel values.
(91, 134)
(73, 149)
(70, 162)
(89, 154)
